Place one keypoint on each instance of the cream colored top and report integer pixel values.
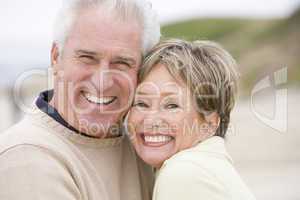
(204, 172)
(42, 160)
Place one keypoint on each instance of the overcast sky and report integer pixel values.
(26, 25)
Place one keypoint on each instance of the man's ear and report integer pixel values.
(213, 122)
(54, 54)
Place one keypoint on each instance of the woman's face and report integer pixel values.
(164, 118)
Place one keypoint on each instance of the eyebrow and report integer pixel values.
(80, 51)
(128, 59)
(162, 94)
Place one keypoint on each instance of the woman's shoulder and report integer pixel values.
(185, 179)
(193, 170)
(193, 166)
(208, 161)
(183, 167)
(204, 170)
(211, 152)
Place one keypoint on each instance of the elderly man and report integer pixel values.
(72, 147)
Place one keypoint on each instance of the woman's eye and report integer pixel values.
(171, 106)
(141, 104)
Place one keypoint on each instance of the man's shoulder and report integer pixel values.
(28, 132)
(28, 170)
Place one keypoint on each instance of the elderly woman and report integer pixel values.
(179, 120)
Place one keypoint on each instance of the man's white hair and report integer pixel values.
(139, 10)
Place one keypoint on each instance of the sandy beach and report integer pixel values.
(268, 160)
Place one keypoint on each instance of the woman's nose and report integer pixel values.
(154, 122)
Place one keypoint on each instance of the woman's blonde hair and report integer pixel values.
(208, 70)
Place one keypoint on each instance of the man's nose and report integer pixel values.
(103, 77)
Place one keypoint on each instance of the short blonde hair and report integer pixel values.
(208, 70)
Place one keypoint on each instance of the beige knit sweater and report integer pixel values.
(42, 160)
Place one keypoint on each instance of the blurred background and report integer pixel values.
(263, 36)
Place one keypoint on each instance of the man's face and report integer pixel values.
(97, 71)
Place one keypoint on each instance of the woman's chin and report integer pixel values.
(155, 156)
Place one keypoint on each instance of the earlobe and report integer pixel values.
(54, 54)
(54, 58)
(213, 121)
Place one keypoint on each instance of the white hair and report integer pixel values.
(141, 10)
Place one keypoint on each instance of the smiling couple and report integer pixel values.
(125, 106)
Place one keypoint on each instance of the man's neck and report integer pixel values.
(54, 104)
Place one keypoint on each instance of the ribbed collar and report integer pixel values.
(214, 145)
(42, 103)
(40, 118)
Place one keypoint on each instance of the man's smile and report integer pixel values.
(106, 100)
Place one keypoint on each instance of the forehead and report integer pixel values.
(159, 80)
(96, 29)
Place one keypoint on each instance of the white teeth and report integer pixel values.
(101, 100)
(157, 138)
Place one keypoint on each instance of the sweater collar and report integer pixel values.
(215, 145)
(46, 122)
(42, 103)
(45, 114)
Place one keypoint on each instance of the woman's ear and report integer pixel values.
(213, 121)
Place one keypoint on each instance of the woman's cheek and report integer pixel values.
(176, 123)
(183, 130)
(134, 122)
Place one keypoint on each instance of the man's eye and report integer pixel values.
(171, 106)
(122, 65)
(87, 59)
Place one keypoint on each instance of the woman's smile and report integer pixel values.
(155, 140)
